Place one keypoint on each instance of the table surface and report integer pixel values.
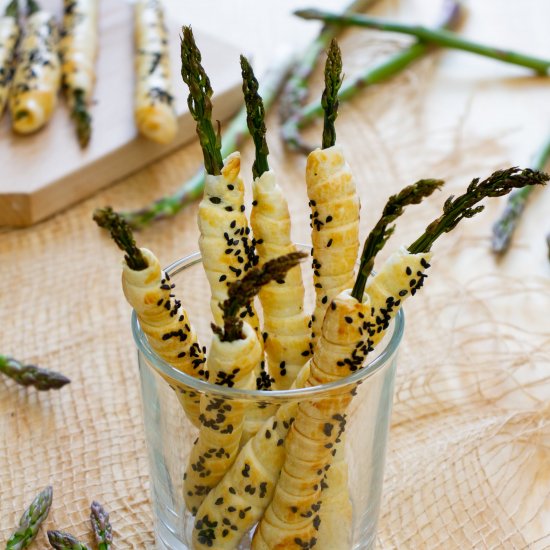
(468, 460)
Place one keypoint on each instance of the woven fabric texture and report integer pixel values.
(469, 454)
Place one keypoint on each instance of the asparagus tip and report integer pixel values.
(122, 234)
(241, 292)
(82, 119)
(329, 99)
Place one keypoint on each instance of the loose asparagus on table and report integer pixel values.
(504, 227)
(295, 91)
(451, 15)
(233, 136)
(101, 526)
(31, 375)
(285, 325)
(33, 96)
(31, 520)
(439, 37)
(162, 318)
(334, 206)
(9, 36)
(234, 353)
(60, 540)
(78, 51)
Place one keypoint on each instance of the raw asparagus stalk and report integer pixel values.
(60, 540)
(451, 15)
(101, 526)
(504, 227)
(295, 92)
(285, 329)
(434, 36)
(234, 353)
(193, 189)
(334, 206)
(162, 318)
(30, 375)
(9, 36)
(31, 520)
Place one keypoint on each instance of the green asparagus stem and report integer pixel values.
(295, 91)
(81, 118)
(12, 9)
(255, 118)
(32, 7)
(241, 292)
(199, 103)
(65, 541)
(30, 375)
(31, 520)
(329, 99)
(504, 227)
(497, 184)
(439, 37)
(101, 526)
(451, 15)
(193, 188)
(412, 194)
(121, 233)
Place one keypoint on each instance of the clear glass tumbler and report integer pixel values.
(170, 435)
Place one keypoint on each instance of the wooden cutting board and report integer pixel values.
(46, 172)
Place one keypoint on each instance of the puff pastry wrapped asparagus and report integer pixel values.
(234, 353)
(154, 99)
(162, 318)
(33, 96)
(9, 36)
(78, 50)
(286, 329)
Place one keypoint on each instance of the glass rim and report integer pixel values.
(170, 373)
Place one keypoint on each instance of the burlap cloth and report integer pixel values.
(468, 462)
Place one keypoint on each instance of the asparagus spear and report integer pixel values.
(193, 188)
(31, 375)
(242, 291)
(329, 98)
(440, 37)
(295, 91)
(200, 106)
(504, 227)
(451, 15)
(32, 7)
(65, 541)
(31, 520)
(497, 184)
(12, 9)
(255, 118)
(121, 233)
(413, 194)
(101, 526)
